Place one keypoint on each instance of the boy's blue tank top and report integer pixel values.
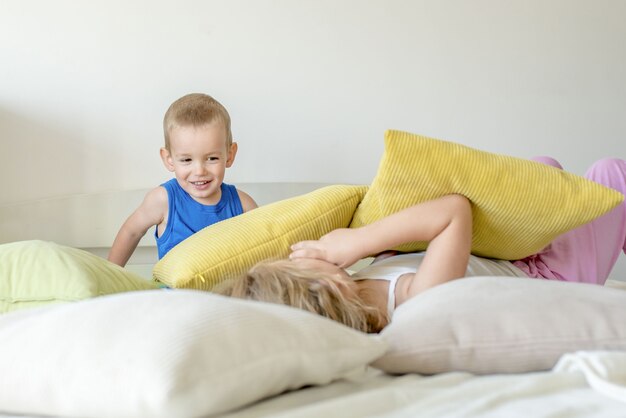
(186, 216)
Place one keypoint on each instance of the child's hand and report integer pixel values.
(342, 247)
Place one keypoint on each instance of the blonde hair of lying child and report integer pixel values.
(314, 279)
(286, 283)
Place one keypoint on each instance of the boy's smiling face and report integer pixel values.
(198, 157)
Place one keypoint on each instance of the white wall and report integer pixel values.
(311, 85)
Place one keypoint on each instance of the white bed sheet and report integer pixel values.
(575, 390)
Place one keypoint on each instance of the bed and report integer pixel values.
(587, 381)
(477, 347)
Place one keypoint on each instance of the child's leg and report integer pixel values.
(611, 228)
(589, 252)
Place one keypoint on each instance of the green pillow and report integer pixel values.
(36, 273)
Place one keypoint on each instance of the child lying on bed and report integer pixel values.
(314, 278)
(198, 149)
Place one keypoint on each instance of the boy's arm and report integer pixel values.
(151, 211)
(247, 202)
(442, 222)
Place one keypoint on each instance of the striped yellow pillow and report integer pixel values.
(229, 248)
(519, 206)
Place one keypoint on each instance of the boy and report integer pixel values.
(198, 149)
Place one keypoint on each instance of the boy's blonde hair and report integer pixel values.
(285, 283)
(195, 109)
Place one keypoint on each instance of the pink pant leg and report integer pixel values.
(611, 227)
(547, 161)
(589, 252)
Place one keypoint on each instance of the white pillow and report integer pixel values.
(165, 353)
(502, 325)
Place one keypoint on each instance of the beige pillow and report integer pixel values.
(168, 353)
(519, 206)
(502, 325)
(229, 248)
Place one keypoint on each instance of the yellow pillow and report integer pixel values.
(519, 206)
(229, 248)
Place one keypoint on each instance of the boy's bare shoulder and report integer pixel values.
(247, 202)
(158, 195)
(155, 203)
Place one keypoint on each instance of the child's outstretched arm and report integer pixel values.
(150, 212)
(448, 250)
(446, 223)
